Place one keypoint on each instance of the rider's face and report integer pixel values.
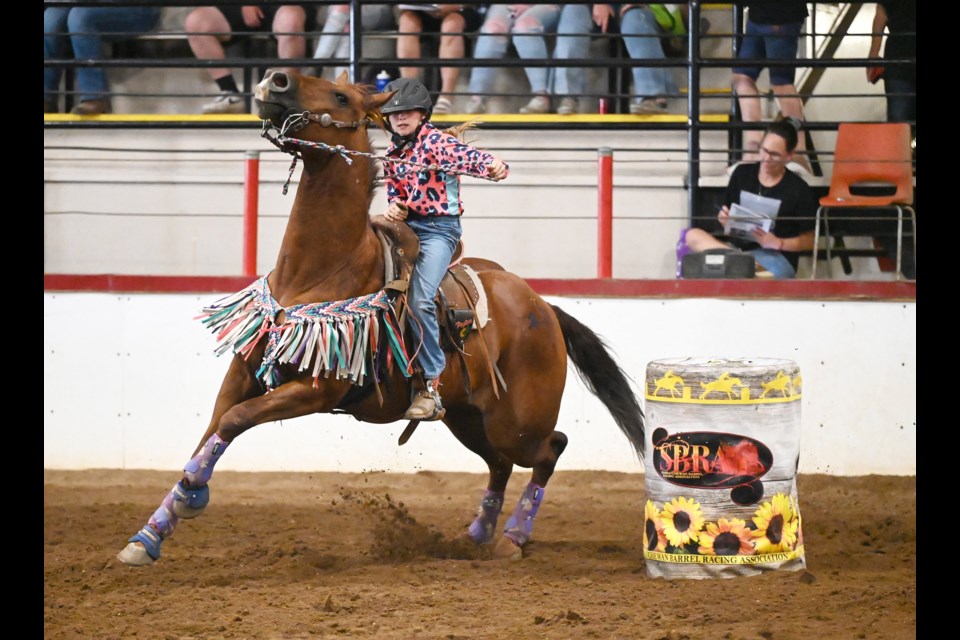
(404, 123)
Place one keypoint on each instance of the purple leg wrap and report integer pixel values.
(200, 468)
(481, 529)
(519, 527)
(682, 249)
(164, 520)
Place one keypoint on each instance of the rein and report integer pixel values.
(298, 121)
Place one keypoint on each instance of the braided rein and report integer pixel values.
(298, 121)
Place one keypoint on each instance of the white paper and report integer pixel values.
(753, 211)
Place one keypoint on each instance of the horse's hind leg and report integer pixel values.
(467, 426)
(519, 527)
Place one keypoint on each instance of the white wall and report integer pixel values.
(129, 382)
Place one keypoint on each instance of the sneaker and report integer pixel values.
(649, 106)
(94, 107)
(475, 105)
(443, 106)
(537, 104)
(568, 106)
(226, 102)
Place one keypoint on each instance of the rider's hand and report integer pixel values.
(396, 212)
(724, 215)
(252, 15)
(497, 170)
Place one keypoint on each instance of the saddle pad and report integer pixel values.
(483, 315)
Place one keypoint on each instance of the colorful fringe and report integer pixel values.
(343, 337)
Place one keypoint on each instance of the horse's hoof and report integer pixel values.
(135, 555)
(507, 549)
(142, 548)
(189, 503)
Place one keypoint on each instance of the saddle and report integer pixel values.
(460, 301)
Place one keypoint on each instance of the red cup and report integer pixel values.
(604, 106)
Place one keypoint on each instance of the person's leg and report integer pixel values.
(637, 25)
(901, 100)
(744, 79)
(200, 24)
(782, 42)
(573, 42)
(451, 48)
(289, 23)
(528, 39)
(774, 262)
(438, 239)
(54, 47)
(333, 33)
(491, 43)
(410, 25)
(701, 240)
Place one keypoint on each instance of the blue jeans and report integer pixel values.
(438, 240)
(903, 107)
(527, 30)
(774, 262)
(648, 82)
(770, 42)
(87, 24)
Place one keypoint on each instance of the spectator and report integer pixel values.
(334, 41)
(638, 26)
(84, 28)
(772, 33)
(210, 27)
(451, 21)
(899, 18)
(777, 251)
(430, 203)
(526, 23)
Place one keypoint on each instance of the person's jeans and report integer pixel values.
(902, 107)
(527, 30)
(774, 262)
(770, 42)
(573, 42)
(648, 82)
(438, 240)
(87, 24)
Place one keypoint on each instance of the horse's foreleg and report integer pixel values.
(190, 495)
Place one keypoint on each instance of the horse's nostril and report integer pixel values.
(280, 80)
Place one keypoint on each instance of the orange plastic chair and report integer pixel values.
(868, 158)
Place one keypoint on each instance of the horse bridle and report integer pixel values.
(297, 120)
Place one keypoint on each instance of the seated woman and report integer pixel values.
(778, 250)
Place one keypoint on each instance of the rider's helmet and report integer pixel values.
(411, 94)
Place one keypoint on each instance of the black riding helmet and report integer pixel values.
(410, 94)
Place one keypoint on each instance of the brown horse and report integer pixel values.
(331, 252)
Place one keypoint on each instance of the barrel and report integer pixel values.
(720, 467)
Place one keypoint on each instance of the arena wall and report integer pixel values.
(130, 380)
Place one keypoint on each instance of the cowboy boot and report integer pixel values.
(426, 405)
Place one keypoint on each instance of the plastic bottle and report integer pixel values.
(383, 78)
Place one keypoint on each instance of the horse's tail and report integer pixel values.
(603, 377)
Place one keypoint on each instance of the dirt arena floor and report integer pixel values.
(327, 555)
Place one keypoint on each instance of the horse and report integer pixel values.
(724, 384)
(669, 382)
(782, 383)
(321, 334)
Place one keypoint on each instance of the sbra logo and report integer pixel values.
(710, 459)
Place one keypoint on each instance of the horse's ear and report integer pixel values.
(373, 101)
(343, 78)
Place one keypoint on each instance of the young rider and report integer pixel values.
(429, 201)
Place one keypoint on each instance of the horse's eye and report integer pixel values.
(342, 99)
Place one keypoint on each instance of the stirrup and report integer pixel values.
(438, 410)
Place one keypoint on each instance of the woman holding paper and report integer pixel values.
(773, 209)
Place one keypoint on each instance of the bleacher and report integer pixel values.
(156, 82)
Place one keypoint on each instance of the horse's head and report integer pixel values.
(317, 110)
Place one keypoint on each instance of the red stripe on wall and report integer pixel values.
(591, 287)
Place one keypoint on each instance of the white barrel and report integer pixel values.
(722, 448)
